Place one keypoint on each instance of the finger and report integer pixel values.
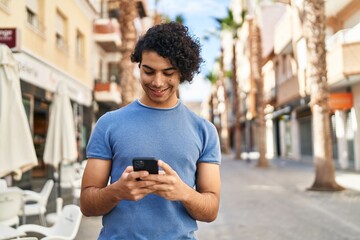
(146, 184)
(129, 169)
(159, 187)
(138, 175)
(126, 172)
(166, 167)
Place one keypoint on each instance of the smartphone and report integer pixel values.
(145, 164)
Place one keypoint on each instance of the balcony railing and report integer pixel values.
(349, 35)
(107, 34)
(343, 49)
(107, 92)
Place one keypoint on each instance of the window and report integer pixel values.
(114, 72)
(61, 31)
(32, 11)
(80, 48)
(31, 17)
(277, 72)
(288, 67)
(34, 15)
(284, 64)
(101, 71)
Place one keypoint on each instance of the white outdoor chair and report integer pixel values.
(51, 218)
(71, 175)
(35, 203)
(69, 172)
(65, 228)
(3, 184)
(11, 202)
(76, 190)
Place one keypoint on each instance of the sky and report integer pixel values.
(199, 17)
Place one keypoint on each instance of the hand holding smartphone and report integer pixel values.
(145, 164)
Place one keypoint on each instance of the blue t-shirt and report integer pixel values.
(175, 135)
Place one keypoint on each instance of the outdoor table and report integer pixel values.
(7, 232)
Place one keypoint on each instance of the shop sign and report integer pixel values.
(43, 75)
(340, 101)
(10, 37)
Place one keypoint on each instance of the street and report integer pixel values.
(274, 204)
(271, 204)
(113, 79)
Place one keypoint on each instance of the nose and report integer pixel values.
(158, 80)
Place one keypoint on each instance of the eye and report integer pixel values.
(149, 72)
(168, 74)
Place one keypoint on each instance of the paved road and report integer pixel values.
(273, 204)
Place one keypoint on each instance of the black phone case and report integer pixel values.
(145, 164)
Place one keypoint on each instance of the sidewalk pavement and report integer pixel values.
(271, 204)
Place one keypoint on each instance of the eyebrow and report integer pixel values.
(150, 68)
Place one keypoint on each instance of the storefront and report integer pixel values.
(39, 81)
(305, 132)
(343, 128)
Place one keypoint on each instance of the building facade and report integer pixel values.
(52, 41)
(107, 43)
(292, 115)
(73, 42)
(286, 88)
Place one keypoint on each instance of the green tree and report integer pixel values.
(158, 18)
(180, 19)
(212, 77)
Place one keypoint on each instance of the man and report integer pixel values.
(164, 205)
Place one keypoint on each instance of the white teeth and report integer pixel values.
(158, 91)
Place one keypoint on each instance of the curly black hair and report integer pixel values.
(174, 42)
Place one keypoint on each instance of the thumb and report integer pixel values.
(166, 167)
(129, 169)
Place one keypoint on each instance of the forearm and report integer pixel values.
(201, 206)
(97, 201)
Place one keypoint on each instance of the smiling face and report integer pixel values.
(159, 79)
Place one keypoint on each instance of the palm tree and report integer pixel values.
(180, 19)
(129, 85)
(256, 77)
(218, 108)
(229, 24)
(219, 83)
(314, 28)
(212, 77)
(159, 18)
(224, 123)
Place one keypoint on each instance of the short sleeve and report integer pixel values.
(211, 152)
(99, 142)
